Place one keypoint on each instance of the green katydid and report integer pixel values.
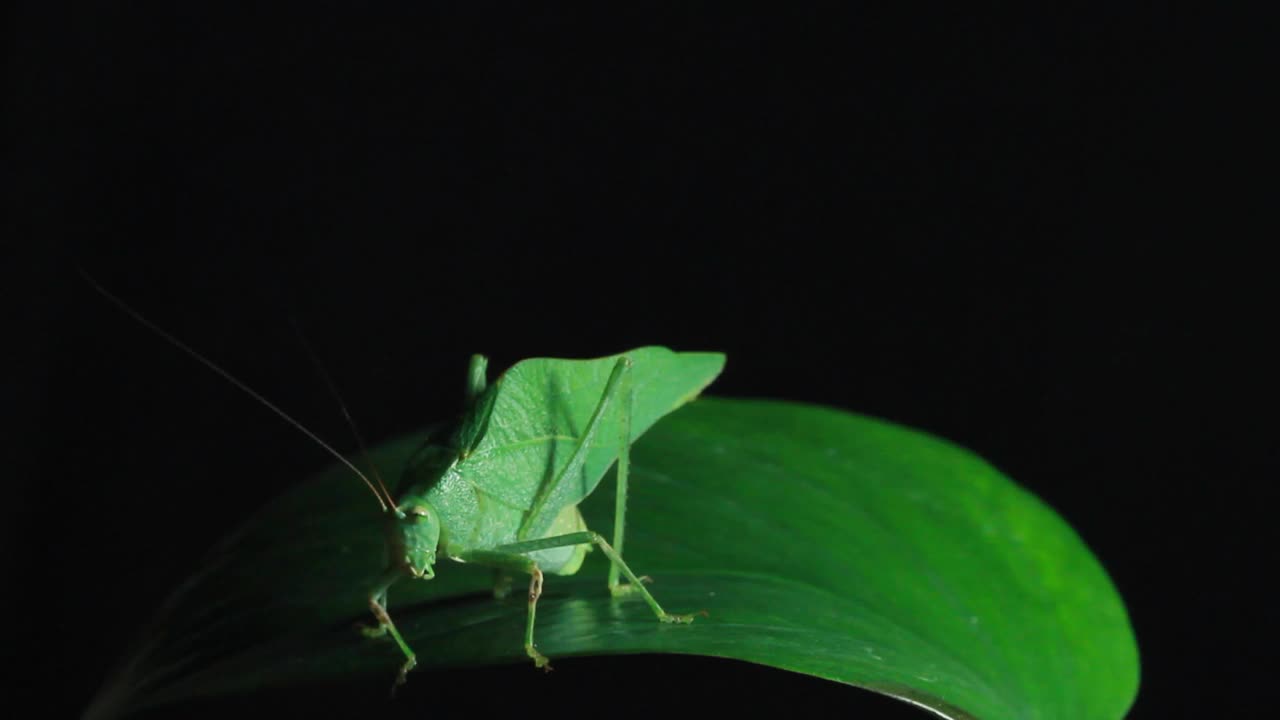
(500, 487)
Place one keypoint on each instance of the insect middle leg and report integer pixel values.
(594, 538)
(502, 580)
(505, 564)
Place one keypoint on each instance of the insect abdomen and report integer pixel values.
(563, 560)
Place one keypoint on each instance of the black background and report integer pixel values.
(1008, 230)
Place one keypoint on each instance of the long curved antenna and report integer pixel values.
(333, 390)
(230, 378)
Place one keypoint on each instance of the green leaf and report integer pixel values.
(818, 541)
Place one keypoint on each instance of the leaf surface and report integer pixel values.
(818, 541)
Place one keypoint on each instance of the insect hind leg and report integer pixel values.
(620, 502)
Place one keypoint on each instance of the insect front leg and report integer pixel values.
(506, 563)
(378, 605)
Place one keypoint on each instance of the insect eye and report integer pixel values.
(418, 512)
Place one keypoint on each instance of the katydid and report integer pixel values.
(500, 487)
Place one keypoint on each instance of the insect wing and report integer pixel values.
(542, 407)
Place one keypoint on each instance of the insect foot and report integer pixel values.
(539, 660)
(409, 664)
(677, 619)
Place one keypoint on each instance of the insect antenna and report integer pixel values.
(229, 378)
(333, 390)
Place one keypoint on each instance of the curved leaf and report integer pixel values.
(818, 541)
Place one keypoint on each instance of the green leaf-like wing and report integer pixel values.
(819, 541)
(543, 405)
